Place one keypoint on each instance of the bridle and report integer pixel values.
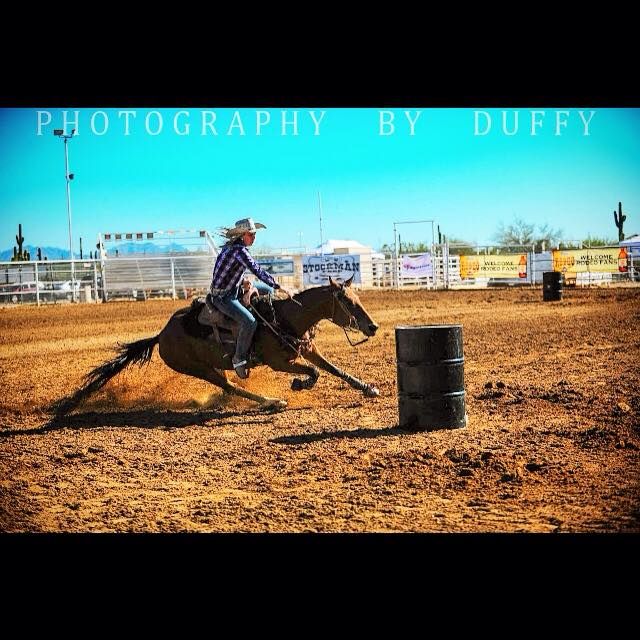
(353, 322)
(297, 345)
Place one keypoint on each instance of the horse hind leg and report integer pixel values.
(219, 378)
(202, 359)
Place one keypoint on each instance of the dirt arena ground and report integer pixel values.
(552, 445)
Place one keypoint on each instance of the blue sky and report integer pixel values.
(467, 183)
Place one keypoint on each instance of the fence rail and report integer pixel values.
(183, 276)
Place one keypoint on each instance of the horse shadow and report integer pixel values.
(145, 419)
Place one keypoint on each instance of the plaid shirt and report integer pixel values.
(231, 264)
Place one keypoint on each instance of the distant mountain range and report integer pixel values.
(56, 253)
(52, 253)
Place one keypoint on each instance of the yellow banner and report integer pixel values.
(591, 260)
(514, 266)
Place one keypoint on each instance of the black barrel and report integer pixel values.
(552, 285)
(430, 363)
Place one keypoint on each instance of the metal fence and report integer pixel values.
(131, 278)
(163, 276)
(48, 281)
(183, 276)
(446, 272)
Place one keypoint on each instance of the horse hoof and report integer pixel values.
(371, 392)
(296, 385)
(274, 404)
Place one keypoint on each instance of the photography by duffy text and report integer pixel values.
(383, 122)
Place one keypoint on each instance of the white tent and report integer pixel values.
(632, 243)
(342, 247)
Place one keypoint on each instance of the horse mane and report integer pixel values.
(308, 293)
(303, 297)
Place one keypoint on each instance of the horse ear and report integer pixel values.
(348, 282)
(333, 283)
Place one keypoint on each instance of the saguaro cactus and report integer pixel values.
(19, 240)
(39, 254)
(619, 220)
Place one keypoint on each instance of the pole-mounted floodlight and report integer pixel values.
(68, 177)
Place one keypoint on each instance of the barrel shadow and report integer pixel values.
(342, 434)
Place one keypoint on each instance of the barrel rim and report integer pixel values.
(432, 395)
(429, 326)
(412, 364)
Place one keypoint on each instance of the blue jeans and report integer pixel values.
(232, 307)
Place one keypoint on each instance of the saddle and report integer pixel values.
(225, 329)
(204, 321)
(209, 316)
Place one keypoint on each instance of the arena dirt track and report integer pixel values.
(553, 397)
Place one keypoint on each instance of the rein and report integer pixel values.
(288, 341)
(352, 320)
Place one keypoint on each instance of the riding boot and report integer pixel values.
(240, 360)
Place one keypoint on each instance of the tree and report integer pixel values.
(18, 254)
(619, 219)
(524, 233)
(461, 247)
(413, 247)
(406, 247)
(599, 242)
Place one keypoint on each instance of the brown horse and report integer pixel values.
(188, 346)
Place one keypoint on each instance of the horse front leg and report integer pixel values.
(311, 373)
(314, 356)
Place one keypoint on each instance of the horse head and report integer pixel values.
(347, 309)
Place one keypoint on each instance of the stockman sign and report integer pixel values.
(417, 267)
(317, 269)
(513, 266)
(591, 260)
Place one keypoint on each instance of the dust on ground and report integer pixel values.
(553, 397)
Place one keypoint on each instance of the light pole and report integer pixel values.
(68, 177)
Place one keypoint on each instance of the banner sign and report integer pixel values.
(592, 260)
(317, 269)
(417, 267)
(510, 266)
(277, 266)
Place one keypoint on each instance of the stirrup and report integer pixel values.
(240, 368)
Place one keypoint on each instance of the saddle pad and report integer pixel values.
(215, 318)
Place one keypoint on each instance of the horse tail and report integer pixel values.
(139, 352)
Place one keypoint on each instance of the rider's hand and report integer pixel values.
(286, 292)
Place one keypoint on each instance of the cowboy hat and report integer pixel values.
(246, 225)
